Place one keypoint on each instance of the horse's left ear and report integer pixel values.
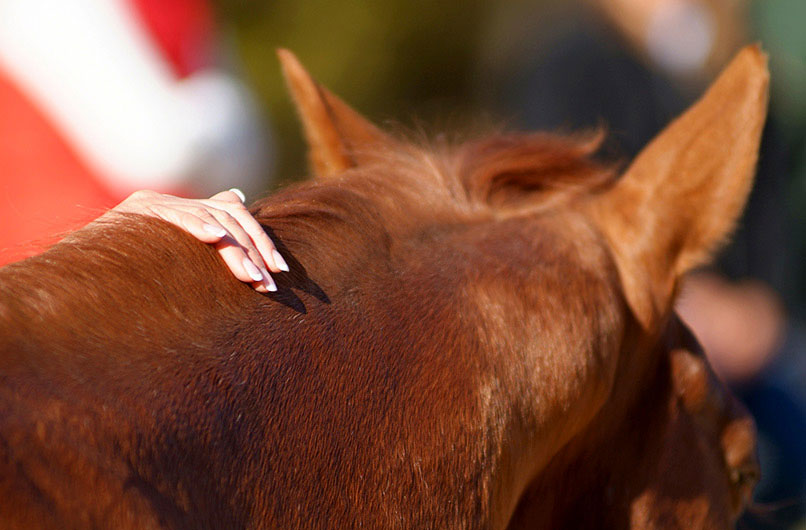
(682, 195)
(338, 137)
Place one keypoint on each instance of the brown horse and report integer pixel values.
(471, 336)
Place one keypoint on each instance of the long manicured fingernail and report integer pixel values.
(279, 261)
(252, 270)
(239, 193)
(269, 283)
(214, 230)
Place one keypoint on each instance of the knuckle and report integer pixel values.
(210, 219)
(206, 214)
(141, 195)
(266, 246)
(229, 218)
(198, 211)
(230, 196)
(235, 208)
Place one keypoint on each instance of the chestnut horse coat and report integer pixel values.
(471, 336)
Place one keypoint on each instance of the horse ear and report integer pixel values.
(682, 195)
(338, 137)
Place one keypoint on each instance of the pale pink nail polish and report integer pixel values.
(279, 261)
(239, 193)
(252, 270)
(214, 230)
(270, 285)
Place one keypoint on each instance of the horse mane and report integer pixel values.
(410, 188)
(514, 168)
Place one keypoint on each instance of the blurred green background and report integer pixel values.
(391, 60)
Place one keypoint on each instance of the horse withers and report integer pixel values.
(471, 336)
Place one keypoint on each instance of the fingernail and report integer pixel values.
(215, 230)
(239, 193)
(252, 270)
(270, 285)
(279, 261)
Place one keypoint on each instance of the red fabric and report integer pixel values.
(182, 29)
(45, 189)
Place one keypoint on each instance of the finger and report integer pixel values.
(209, 231)
(239, 263)
(242, 266)
(203, 224)
(237, 232)
(262, 242)
(205, 228)
(260, 287)
(232, 195)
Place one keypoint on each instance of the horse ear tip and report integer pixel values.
(289, 62)
(283, 53)
(757, 59)
(757, 52)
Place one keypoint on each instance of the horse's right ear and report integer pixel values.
(682, 195)
(338, 137)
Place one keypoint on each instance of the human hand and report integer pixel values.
(222, 221)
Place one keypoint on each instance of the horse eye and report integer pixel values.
(743, 481)
(746, 476)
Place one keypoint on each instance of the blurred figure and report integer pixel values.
(99, 98)
(687, 39)
(632, 66)
(740, 324)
